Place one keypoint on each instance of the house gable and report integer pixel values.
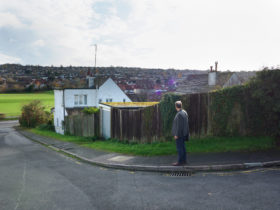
(110, 90)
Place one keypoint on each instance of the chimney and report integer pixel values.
(212, 75)
(216, 66)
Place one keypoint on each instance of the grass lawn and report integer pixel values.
(205, 145)
(11, 103)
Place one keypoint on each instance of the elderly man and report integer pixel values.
(180, 131)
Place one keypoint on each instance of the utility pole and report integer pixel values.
(95, 45)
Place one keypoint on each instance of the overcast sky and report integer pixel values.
(183, 34)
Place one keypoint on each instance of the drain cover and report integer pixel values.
(184, 173)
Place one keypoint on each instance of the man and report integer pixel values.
(180, 131)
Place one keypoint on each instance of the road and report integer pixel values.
(35, 177)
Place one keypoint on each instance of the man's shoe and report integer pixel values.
(177, 164)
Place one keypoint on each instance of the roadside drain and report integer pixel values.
(179, 174)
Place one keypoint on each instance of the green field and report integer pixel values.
(11, 103)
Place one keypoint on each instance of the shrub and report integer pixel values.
(2, 116)
(90, 110)
(34, 114)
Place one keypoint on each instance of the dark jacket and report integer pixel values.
(180, 125)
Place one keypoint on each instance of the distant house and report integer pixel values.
(68, 99)
(239, 78)
(203, 83)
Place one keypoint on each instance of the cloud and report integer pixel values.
(8, 19)
(148, 33)
(39, 43)
(8, 59)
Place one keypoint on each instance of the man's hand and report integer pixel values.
(175, 137)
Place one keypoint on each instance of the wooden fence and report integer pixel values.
(197, 106)
(207, 116)
(82, 125)
(146, 124)
(141, 125)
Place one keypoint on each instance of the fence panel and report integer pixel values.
(82, 125)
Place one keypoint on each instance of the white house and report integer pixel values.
(109, 91)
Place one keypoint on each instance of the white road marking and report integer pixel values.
(120, 158)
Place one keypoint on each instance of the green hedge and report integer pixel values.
(252, 109)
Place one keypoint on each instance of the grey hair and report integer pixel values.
(178, 104)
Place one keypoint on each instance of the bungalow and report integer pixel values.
(72, 98)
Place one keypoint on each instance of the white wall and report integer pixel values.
(58, 111)
(105, 121)
(70, 97)
(111, 90)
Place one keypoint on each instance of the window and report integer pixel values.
(109, 99)
(76, 99)
(85, 99)
(124, 100)
(100, 100)
(81, 99)
(57, 122)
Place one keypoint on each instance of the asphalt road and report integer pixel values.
(35, 177)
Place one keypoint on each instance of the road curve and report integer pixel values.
(35, 177)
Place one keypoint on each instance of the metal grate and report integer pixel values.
(181, 173)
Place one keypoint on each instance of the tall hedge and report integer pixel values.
(265, 90)
(252, 109)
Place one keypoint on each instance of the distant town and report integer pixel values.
(138, 83)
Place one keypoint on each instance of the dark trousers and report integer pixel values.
(181, 149)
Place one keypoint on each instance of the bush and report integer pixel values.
(2, 116)
(90, 110)
(34, 114)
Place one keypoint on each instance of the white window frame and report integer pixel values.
(81, 100)
(85, 99)
(76, 100)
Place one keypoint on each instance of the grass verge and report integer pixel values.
(205, 145)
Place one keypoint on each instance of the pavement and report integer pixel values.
(196, 162)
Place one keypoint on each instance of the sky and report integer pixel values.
(179, 34)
